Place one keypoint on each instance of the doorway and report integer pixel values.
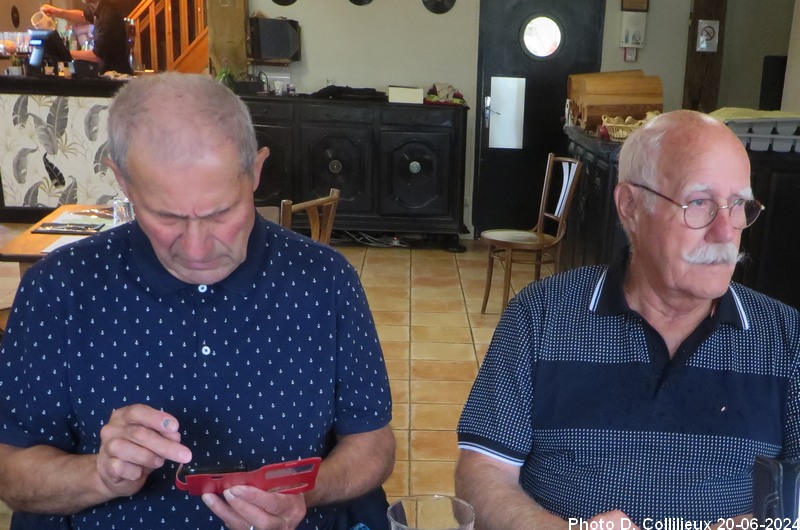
(527, 49)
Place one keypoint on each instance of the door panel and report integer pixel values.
(508, 182)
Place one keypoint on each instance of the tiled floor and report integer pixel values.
(426, 304)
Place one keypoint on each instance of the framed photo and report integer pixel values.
(635, 5)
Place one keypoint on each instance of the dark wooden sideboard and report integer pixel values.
(771, 245)
(400, 167)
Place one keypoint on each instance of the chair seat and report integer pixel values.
(519, 239)
(540, 245)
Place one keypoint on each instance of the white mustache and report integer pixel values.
(714, 254)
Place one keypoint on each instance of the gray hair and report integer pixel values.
(178, 117)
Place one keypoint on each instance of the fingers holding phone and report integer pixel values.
(247, 506)
(136, 440)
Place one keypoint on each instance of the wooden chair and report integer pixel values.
(541, 244)
(320, 212)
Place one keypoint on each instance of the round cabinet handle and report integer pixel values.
(335, 166)
(415, 167)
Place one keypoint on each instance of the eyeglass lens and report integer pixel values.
(701, 213)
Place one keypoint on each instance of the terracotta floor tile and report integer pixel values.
(396, 350)
(435, 416)
(392, 333)
(435, 351)
(402, 444)
(400, 390)
(444, 370)
(387, 304)
(398, 483)
(401, 414)
(435, 281)
(432, 477)
(479, 320)
(433, 305)
(439, 319)
(397, 369)
(433, 445)
(391, 292)
(444, 293)
(441, 334)
(391, 318)
(454, 392)
(482, 335)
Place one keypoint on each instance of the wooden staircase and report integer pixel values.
(169, 35)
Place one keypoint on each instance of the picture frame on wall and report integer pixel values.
(635, 5)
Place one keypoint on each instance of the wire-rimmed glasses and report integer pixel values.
(699, 213)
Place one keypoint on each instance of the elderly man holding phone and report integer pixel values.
(199, 333)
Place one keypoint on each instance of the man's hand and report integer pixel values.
(50, 11)
(137, 440)
(249, 507)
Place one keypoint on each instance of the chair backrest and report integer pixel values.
(560, 182)
(321, 213)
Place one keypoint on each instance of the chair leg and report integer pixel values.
(508, 259)
(488, 287)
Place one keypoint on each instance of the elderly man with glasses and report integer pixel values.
(639, 393)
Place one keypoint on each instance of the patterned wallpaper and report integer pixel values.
(53, 151)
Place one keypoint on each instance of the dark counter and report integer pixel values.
(59, 86)
(593, 230)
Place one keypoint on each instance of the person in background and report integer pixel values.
(200, 333)
(640, 393)
(110, 48)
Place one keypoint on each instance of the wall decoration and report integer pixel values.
(439, 6)
(360, 2)
(284, 2)
(15, 16)
(59, 150)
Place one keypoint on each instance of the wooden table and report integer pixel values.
(26, 248)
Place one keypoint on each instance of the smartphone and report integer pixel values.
(294, 476)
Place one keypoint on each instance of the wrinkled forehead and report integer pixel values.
(717, 164)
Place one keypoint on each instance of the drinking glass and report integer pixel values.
(123, 210)
(431, 512)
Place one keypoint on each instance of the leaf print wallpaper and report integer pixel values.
(53, 151)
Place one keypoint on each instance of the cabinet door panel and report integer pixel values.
(415, 168)
(276, 174)
(338, 157)
(776, 253)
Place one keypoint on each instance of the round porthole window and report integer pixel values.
(541, 37)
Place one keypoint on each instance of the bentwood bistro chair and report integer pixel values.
(541, 244)
(321, 213)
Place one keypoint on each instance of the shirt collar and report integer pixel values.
(144, 259)
(608, 297)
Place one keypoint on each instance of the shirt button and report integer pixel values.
(205, 350)
(202, 288)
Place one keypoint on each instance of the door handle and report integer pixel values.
(487, 110)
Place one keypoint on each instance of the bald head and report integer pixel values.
(175, 118)
(669, 142)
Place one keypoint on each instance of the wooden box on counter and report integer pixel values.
(623, 93)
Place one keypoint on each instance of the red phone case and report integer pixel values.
(295, 476)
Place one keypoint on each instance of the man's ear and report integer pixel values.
(121, 180)
(261, 157)
(627, 207)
